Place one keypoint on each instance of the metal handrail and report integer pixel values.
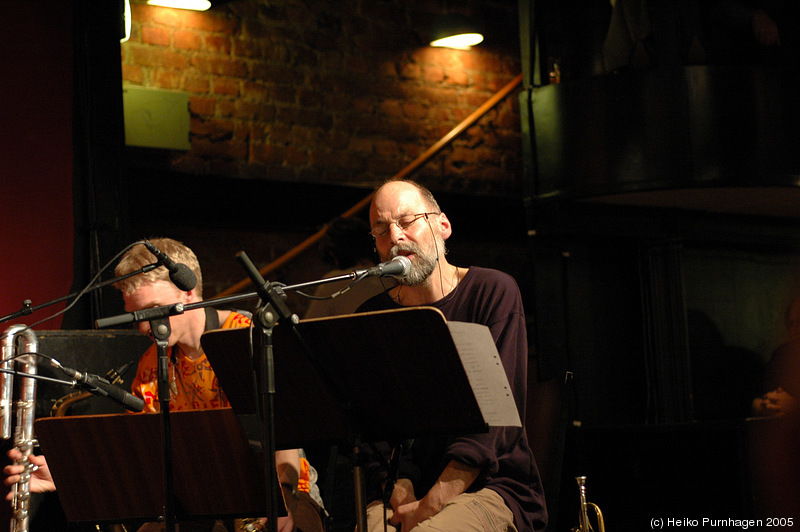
(416, 163)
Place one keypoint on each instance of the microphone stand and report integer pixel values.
(179, 308)
(28, 309)
(273, 296)
(72, 384)
(267, 316)
(160, 328)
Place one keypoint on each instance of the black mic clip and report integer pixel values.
(101, 387)
(394, 469)
(272, 295)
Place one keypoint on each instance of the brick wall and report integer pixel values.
(334, 92)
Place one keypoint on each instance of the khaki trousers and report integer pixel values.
(483, 511)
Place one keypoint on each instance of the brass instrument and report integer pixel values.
(21, 358)
(583, 516)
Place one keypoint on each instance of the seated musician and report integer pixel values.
(193, 384)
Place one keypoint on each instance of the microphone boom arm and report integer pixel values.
(28, 309)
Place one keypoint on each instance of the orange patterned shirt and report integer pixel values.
(193, 383)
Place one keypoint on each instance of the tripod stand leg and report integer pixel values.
(360, 491)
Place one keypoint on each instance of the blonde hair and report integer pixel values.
(139, 256)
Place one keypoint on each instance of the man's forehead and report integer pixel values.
(396, 198)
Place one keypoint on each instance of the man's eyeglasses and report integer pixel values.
(404, 222)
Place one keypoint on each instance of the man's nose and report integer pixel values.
(397, 233)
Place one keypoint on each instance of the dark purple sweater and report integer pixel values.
(502, 455)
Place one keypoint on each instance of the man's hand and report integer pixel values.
(410, 515)
(454, 480)
(402, 494)
(41, 480)
(777, 401)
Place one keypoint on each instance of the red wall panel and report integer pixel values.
(36, 214)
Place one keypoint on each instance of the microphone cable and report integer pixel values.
(83, 292)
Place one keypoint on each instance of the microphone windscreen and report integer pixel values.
(183, 278)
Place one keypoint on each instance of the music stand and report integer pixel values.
(352, 372)
(108, 468)
(345, 378)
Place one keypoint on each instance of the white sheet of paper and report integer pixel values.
(485, 372)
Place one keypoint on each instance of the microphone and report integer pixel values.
(100, 386)
(398, 266)
(180, 274)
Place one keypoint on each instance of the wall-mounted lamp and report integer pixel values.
(125, 27)
(195, 5)
(455, 31)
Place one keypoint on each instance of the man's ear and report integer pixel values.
(444, 226)
(190, 296)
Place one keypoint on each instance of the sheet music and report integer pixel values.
(485, 372)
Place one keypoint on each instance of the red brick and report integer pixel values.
(475, 99)
(392, 109)
(361, 145)
(196, 84)
(278, 133)
(254, 91)
(133, 74)
(186, 40)
(221, 66)
(386, 147)
(283, 94)
(217, 44)
(198, 127)
(296, 156)
(255, 29)
(166, 16)
(433, 74)
(226, 86)
(309, 98)
(267, 153)
(457, 77)
(306, 136)
(156, 57)
(414, 111)
(241, 131)
(166, 78)
(411, 71)
(253, 110)
(155, 35)
(220, 129)
(210, 21)
(226, 108)
(202, 106)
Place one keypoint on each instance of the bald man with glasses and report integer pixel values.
(478, 482)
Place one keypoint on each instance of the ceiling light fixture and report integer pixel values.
(194, 5)
(455, 31)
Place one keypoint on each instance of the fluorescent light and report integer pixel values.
(461, 42)
(126, 16)
(195, 5)
(453, 30)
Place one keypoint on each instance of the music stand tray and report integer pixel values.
(110, 467)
